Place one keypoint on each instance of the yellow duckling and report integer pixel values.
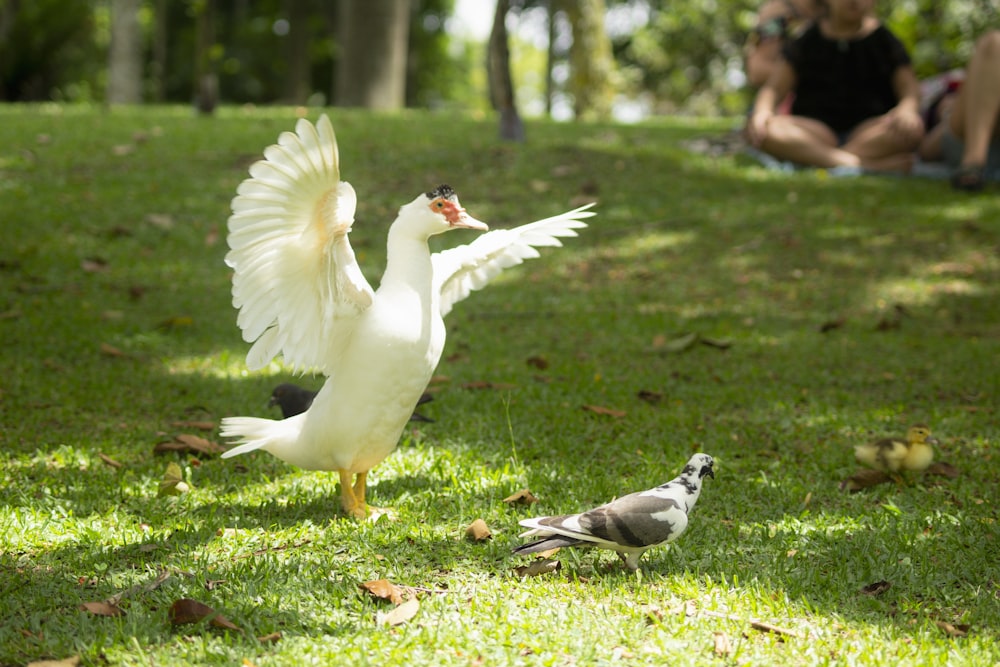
(892, 454)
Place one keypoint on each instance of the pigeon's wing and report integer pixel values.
(460, 270)
(296, 281)
(637, 520)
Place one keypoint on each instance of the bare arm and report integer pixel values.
(781, 82)
(763, 50)
(906, 113)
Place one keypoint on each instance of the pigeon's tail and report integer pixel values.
(547, 543)
(254, 433)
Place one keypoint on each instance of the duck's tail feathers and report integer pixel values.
(254, 433)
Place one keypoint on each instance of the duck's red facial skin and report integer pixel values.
(451, 211)
(455, 214)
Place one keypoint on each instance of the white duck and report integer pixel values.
(301, 293)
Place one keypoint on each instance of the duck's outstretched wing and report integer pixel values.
(296, 281)
(460, 270)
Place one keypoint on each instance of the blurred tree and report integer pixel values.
(590, 61)
(206, 80)
(46, 46)
(371, 64)
(500, 80)
(125, 54)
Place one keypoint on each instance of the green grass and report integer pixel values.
(117, 325)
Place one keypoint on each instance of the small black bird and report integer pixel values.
(294, 400)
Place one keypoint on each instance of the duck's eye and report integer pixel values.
(438, 203)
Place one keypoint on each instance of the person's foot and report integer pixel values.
(969, 178)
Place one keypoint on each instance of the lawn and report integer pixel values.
(771, 320)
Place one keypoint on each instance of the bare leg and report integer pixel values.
(881, 146)
(977, 110)
(805, 141)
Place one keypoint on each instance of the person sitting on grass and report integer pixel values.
(968, 134)
(856, 99)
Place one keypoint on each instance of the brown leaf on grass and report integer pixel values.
(195, 424)
(176, 322)
(680, 343)
(399, 615)
(723, 646)
(212, 237)
(187, 610)
(876, 588)
(72, 661)
(383, 589)
(270, 639)
(953, 629)
(188, 443)
(102, 609)
(522, 497)
(94, 264)
(650, 396)
(108, 460)
(109, 350)
(717, 343)
(538, 567)
(478, 531)
(486, 384)
(944, 470)
(601, 410)
(538, 361)
(830, 325)
(864, 479)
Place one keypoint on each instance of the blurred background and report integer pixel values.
(567, 59)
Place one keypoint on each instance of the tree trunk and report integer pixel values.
(371, 68)
(297, 91)
(501, 83)
(206, 80)
(590, 59)
(125, 54)
(160, 41)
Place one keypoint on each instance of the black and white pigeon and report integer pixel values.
(629, 525)
(294, 400)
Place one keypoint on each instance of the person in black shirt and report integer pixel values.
(856, 101)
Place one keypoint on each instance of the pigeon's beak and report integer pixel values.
(273, 401)
(466, 221)
(711, 473)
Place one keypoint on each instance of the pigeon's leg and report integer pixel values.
(348, 499)
(632, 560)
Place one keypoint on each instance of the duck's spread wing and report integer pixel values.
(296, 281)
(460, 270)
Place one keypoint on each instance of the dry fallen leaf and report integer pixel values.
(399, 615)
(108, 460)
(383, 589)
(111, 351)
(537, 567)
(681, 343)
(864, 479)
(830, 325)
(187, 610)
(944, 470)
(649, 396)
(186, 442)
(522, 497)
(485, 384)
(478, 531)
(723, 646)
(65, 662)
(102, 609)
(173, 483)
(600, 410)
(270, 639)
(953, 629)
(197, 424)
(539, 362)
(876, 588)
(94, 264)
